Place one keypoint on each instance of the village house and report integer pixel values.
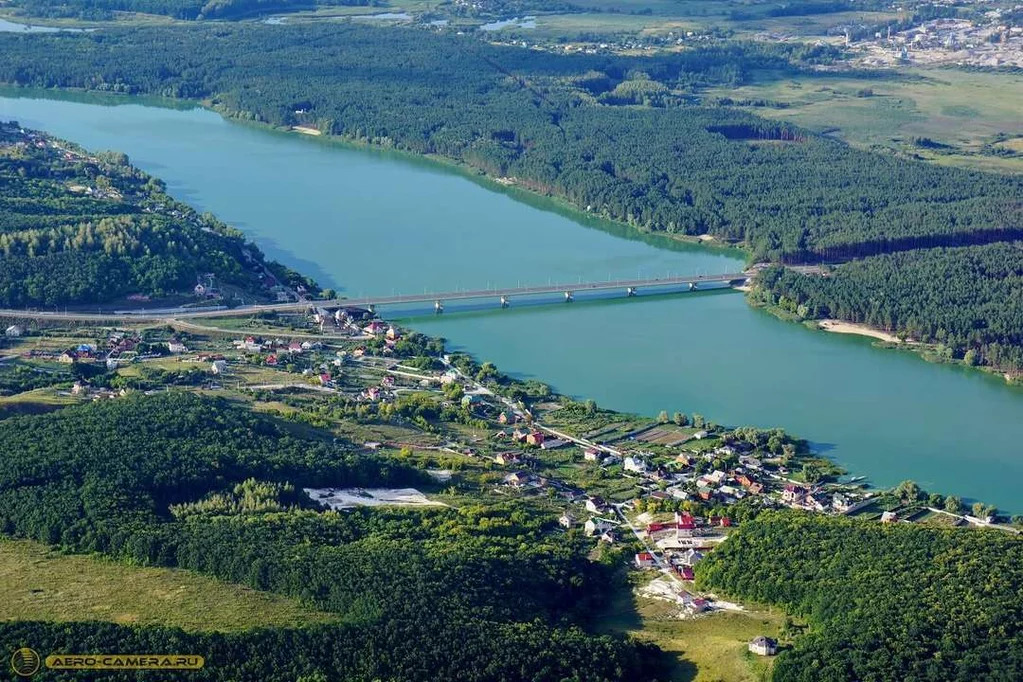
(566, 520)
(645, 560)
(175, 346)
(535, 438)
(507, 458)
(635, 465)
(596, 525)
(685, 572)
(592, 455)
(750, 461)
(218, 366)
(763, 646)
(690, 557)
(792, 494)
(685, 525)
(14, 330)
(596, 505)
(889, 517)
(506, 417)
(518, 479)
(375, 328)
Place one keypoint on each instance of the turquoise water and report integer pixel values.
(368, 222)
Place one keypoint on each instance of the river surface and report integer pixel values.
(370, 222)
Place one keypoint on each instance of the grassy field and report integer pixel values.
(40, 584)
(954, 108)
(711, 648)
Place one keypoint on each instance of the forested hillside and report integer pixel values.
(884, 602)
(968, 299)
(87, 228)
(200, 483)
(538, 117)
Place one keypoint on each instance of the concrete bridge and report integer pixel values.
(503, 297)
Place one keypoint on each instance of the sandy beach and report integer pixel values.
(306, 130)
(840, 327)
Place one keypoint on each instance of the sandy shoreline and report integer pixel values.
(840, 327)
(306, 130)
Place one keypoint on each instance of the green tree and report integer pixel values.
(953, 504)
(908, 491)
(662, 417)
(680, 419)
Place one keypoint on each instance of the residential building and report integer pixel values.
(645, 560)
(763, 646)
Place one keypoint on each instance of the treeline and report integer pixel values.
(531, 115)
(883, 602)
(969, 300)
(472, 652)
(80, 228)
(203, 484)
(102, 10)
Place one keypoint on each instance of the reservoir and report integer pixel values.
(371, 222)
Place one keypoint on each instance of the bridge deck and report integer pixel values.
(426, 297)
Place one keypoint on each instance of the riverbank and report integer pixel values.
(841, 327)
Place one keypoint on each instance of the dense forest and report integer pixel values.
(199, 483)
(390, 650)
(565, 125)
(99, 10)
(81, 228)
(968, 299)
(883, 602)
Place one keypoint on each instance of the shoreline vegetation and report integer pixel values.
(928, 352)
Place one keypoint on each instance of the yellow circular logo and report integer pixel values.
(25, 662)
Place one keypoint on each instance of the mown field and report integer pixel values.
(41, 584)
(710, 648)
(963, 110)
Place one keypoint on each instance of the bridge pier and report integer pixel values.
(504, 302)
(372, 309)
(438, 306)
(630, 291)
(692, 286)
(568, 297)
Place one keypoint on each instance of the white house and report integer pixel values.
(218, 367)
(635, 464)
(14, 330)
(645, 560)
(566, 520)
(597, 525)
(763, 646)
